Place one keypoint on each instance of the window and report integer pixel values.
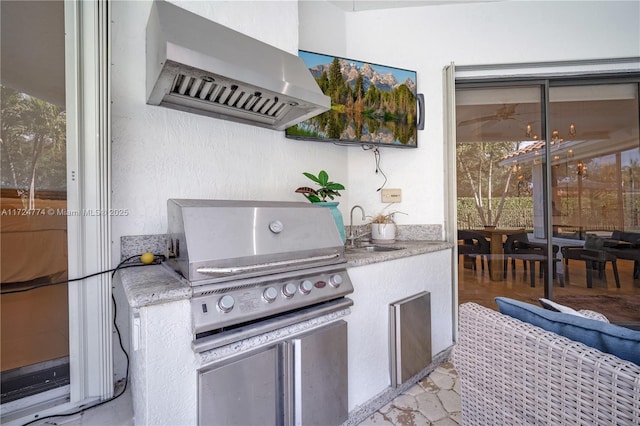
(594, 154)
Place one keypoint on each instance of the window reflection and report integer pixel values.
(594, 168)
(592, 143)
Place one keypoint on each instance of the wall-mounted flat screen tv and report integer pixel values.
(371, 104)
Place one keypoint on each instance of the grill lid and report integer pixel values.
(219, 240)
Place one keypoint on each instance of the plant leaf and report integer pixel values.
(306, 190)
(334, 186)
(323, 178)
(312, 177)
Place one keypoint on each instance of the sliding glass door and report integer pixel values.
(595, 158)
(594, 148)
(499, 193)
(554, 158)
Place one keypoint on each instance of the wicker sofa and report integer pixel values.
(512, 372)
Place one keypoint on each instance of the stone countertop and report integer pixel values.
(152, 285)
(361, 257)
(156, 284)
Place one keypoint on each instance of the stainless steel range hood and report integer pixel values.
(199, 66)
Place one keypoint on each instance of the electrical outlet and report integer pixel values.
(391, 195)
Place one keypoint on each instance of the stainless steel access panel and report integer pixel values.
(247, 390)
(320, 376)
(409, 337)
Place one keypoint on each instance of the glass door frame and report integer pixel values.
(88, 189)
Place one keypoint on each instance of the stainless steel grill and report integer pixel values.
(251, 261)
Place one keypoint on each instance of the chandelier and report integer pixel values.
(555, 134)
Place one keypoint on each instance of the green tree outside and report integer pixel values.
(33, 145)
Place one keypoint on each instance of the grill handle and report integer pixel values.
(248, 268)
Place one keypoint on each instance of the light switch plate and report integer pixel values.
(391, 195)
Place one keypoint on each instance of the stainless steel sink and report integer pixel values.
(372, 248)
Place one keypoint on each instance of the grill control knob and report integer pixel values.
(276, 226)
(270, 294)
(289, 290)
(306, 286)
(335, 280)
(226, 302)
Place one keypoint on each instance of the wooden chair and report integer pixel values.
(473, 245)
(628, 250)
(594, 257)
(519, 244)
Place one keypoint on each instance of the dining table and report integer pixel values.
(496, 237)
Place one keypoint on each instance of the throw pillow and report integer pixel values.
(556, 307)
(619, 341)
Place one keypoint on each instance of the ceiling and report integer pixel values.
(360, 5)
(602, 127)
(601, 119)
(33, 60)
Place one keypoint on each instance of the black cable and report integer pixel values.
(120, 266)
(126, 377)
(82, 409)
(376, 154)
(35, 287)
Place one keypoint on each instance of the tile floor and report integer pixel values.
(118, 412)
(435, 400)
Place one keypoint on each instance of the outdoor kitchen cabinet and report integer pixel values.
(299, 381)
(243, 390)
(376, 286)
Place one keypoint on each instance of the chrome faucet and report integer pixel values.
(352, 234)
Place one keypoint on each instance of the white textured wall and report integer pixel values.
(164, 378)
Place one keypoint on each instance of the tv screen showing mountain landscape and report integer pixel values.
(370, 104)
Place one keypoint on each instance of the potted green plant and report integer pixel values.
(319, 196)
(327, 188)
